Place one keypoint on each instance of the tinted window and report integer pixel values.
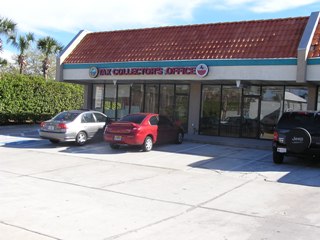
(164, 121)
(154, 120)
(100, 117)
(66, 116)
(133, 118)
(303, 119)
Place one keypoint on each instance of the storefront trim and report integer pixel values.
(211, 63)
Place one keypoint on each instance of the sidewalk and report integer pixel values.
(263, 144)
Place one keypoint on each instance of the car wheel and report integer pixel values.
(179, 139)
(54, 141)
(81, 138)
(298, 140)
(277, 157)
(148, 144)
(114, 146)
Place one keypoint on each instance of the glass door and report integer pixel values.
(250, 117)
(181, 110)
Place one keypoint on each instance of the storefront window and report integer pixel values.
(137, 93)
(296, 99)
(181, 110)
(110, 100)
(152, 98)
(211, 101)
(250, 117)
(230, 115)
(167, 100)
(251, 90)
(318, 98)
(271, 110)
(98, 97)
(182, 89)
(123, 100)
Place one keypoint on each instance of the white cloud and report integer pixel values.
(266, 6)
(73, 15)
(101, 15)
(8, 55)
(277, 5)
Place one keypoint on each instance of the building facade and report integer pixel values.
(225, 79)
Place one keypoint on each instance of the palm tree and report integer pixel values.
(7, 28)
(3, 62)
(48, 46)
(22, 44)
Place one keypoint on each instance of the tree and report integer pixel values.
(3, 62)
(7, 28)
(22, 44)
(34, 58)
(48, 46)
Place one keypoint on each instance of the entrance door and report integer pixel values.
(250, 117)
(181, 110)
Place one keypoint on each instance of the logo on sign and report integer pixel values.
(93, 72)
(202, 70)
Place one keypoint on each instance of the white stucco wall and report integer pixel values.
(313, 73)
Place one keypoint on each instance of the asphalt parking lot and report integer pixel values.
(190, 191)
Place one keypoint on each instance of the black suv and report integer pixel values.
(297, 134)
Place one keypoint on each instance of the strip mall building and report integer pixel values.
(224, 79)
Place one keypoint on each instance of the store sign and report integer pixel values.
(201, 71)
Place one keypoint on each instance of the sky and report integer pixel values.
(63, 19)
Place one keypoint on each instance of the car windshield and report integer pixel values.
(66, 116)
(133, 118)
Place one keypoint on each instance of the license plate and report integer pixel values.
(117, 138)
(281, 150)
(51, 128)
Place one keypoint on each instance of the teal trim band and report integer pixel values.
(210, 63)
(313, 61)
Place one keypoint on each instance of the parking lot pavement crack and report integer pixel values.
(201, 205)
(111, 191)
(29, 230)
(145, 226)
(131, 181)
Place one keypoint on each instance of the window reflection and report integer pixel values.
(137, 93)
(110, 100)
(152, 96)
(123, 100)
(98, 97)
(230, 116)
(209, 119)
(271, 109)
(167, 100)
(296, 99)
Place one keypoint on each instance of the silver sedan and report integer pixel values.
(74, 125)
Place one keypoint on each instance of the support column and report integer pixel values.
(87, 96)
(304, 46)
(194, 108)
(312, 97)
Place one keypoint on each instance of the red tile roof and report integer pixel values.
(277, 38)
(315, 45)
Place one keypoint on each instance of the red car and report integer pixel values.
(144, 129)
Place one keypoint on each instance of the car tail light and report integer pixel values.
(42, 124)
(134, 130)
(275, 136)
(62, 126)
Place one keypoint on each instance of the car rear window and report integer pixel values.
(305, 120)
(66, 116)
(133, 118)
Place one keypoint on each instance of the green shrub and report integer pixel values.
(32, 99)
